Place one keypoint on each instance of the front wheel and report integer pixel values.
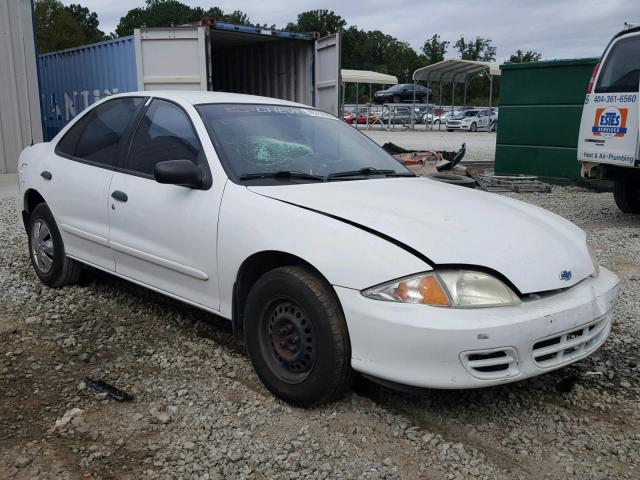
(46, 250)
(473, 127)
(297, 337)
(626, 193)
(396, 99)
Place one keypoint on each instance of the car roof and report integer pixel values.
(201, 97)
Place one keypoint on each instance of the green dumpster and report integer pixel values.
(540, 109)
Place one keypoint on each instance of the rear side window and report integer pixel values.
(621, 69)
(98, 135)
(165, 133)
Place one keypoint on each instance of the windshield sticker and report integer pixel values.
(610, 122)
(278, 109)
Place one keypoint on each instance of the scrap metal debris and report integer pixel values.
(110, 390)
(442, 160)
(505, 183)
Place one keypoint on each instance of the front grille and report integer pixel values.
(453, 122)
(564, 347)
(492, 364)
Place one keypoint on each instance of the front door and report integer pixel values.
(165, 236)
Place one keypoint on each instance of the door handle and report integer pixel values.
(119, 196)
(46, 175)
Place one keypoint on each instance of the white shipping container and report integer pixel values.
(240, 59)
(20, 121)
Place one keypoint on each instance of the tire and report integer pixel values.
(396, 99)
(289, 308)
(473, 127)
(626, 192)
(46, 250)
(436, 122)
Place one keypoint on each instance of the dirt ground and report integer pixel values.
(201, 413)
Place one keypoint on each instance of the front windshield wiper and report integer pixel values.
(367, 171)
(283, 174)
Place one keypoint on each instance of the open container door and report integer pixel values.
(327, 73)
(172, 58)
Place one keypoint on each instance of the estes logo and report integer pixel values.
(610, 122)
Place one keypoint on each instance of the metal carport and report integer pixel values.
(457, 71)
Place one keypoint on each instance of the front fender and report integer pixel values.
(344, 254)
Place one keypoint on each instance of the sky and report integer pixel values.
(554, 28)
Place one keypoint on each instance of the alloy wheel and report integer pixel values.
(42, 246)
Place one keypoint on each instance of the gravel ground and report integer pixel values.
(201, 413)
(481, 146)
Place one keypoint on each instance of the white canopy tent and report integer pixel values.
(367, 76)
(364, 76)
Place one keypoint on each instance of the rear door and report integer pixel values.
(609, 125)
(76, 179)
(327, 73)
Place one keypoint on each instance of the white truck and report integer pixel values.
(608, 145)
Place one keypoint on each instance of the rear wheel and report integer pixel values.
(297, 337)
(46, 250)
(626, 193)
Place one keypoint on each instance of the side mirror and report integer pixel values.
(178, 172)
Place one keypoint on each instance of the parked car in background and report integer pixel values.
(295, 228)
(608, 143)
(402, 93)
(350, 116)
(437, 119)
(471, 120)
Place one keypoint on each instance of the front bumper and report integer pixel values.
(458, 127)
(435, 347)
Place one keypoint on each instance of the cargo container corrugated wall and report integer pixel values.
(75, 78)
(540, 109)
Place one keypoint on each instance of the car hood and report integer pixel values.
(533, 248)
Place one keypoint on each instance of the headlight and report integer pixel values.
(594, 261)
(447, 288)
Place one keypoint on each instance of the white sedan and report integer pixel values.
(328, 256)
(471, 120)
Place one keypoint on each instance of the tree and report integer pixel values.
(88, 22)
(528, 56)
(59, 27)
(158, 13)
(164, 13)
(435, 49)
(479, 49)
(322, 21)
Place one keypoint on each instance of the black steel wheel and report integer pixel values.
(297, 336)
(288, 341)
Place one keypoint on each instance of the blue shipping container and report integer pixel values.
(73, 79)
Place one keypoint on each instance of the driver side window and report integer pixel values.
(165, 133)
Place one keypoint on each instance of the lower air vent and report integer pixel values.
(491, 364)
